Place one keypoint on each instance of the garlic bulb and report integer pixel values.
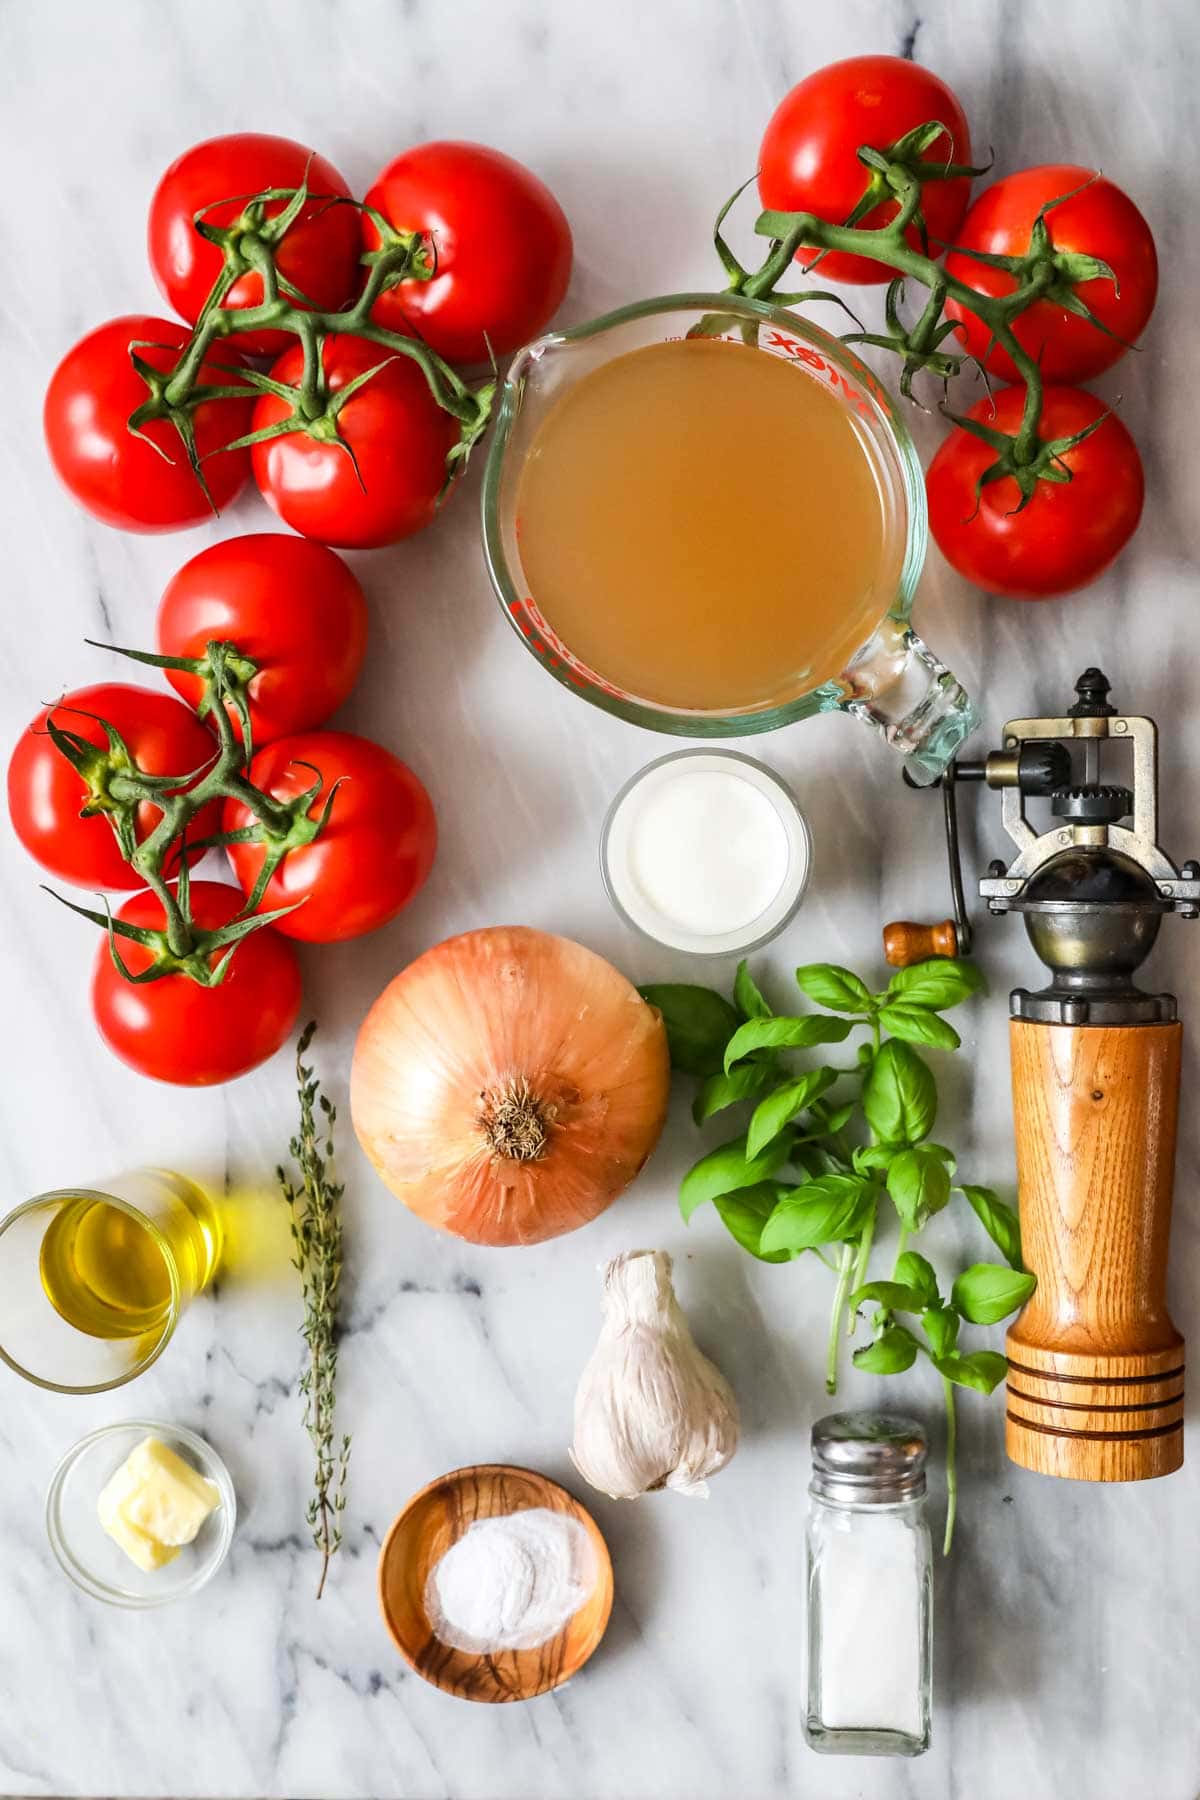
(651, 1411)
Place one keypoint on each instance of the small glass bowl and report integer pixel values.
(83, 1547)
(771, 919)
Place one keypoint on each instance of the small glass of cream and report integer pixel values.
(706, 851)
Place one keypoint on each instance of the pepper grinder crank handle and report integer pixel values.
(1095, 1388)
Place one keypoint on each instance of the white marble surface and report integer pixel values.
(1067, 1648)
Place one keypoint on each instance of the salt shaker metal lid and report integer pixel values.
(868, 1458)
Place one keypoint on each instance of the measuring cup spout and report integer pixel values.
(898, 686)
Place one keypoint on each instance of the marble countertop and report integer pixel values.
(1067, 1654)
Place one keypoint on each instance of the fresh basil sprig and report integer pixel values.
(815, 1171)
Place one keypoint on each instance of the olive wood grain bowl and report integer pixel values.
(435, 1519)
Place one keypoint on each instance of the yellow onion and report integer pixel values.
(509, 1084)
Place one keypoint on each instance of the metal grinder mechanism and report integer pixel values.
(1095, 1386)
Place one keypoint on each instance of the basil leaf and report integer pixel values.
(893, 1351)
(728, 1168)
(983, 1370)
(773, 1113)
(837, 988)
(999, 1221)
(895, 1295)
(744, 1214)
(899, 1096)
(938, 983)
(838, 1119)
(875, 1156)
(746, 997)
(916, 1273)
(827, 1210)
(941, 1328)
(784, 1034)
(699, 1025)
(917, 1025)
(988, 1292)
(919, 1185)
(720, 1091)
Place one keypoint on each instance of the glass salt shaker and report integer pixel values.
(870, 1612)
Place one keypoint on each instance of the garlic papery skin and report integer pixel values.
(651, 1411)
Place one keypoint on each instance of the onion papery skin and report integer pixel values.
(509, 1017)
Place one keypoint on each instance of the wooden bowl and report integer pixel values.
(435, 1519)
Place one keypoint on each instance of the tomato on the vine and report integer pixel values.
(45, 793)
(809, 156)
(1069, 532)
(399, 435)
(115, 475)
(376, 848)
(1097, 221)
(175, 1029)
(500, 243)
(317, 258)
(293, 609)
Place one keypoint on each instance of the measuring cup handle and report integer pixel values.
(896, 684)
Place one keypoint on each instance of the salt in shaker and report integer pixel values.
(870, 1611)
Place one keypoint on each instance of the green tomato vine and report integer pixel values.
(1043, 272)
(249, 246)
(116, 788)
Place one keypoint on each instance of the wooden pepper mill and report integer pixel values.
(1095, 1385)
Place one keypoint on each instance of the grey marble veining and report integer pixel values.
(1067, 1660)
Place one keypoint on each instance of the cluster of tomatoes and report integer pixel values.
(495, 261)
(1082, 322)
(498, 259)
(297, 613)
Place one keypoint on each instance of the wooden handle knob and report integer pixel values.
(905, 943)
(1095, 1384)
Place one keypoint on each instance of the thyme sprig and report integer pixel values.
(315, 1207)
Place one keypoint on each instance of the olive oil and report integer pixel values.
(115, 1272)
(703, 525)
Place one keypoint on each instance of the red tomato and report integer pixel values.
(116, 476)
(809, 156)
(176, 1030)
(1069, 532)
(400, 437)
(45, 793)
(292, 607)
(319, 255)
(374, 853)
(502, 246)
(1102, 222)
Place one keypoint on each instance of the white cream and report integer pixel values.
(706, 851)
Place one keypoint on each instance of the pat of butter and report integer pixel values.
(154, 1503)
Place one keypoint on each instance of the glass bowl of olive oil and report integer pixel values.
(84, 1549)
(94, 1279)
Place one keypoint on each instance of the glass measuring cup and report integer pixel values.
(893, 682)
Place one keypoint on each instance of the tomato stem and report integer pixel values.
(249, 246)
(920, 345)
(119, 790)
